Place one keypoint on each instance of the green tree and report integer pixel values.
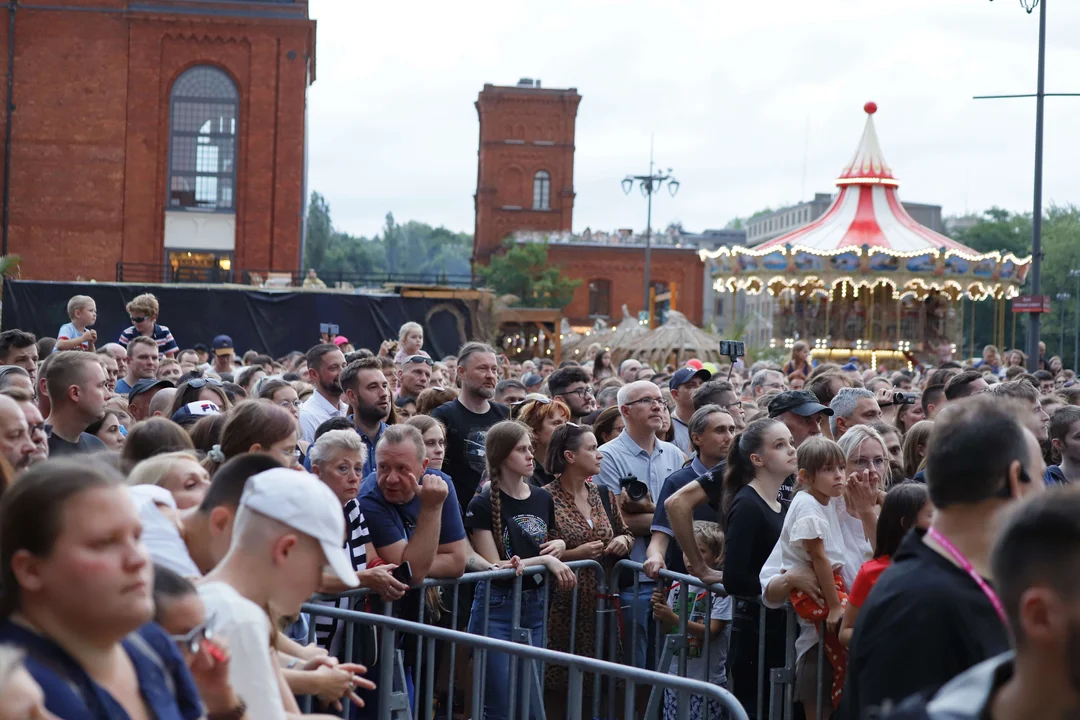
(522, 270)
(319, 230)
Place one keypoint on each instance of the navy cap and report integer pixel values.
(146, 385)
(684, 375)
(222, 342)
(531, 380)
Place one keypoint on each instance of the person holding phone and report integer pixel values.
(511, 520)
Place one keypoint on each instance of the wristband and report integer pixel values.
(235, 713)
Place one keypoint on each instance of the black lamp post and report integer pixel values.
(650, 184)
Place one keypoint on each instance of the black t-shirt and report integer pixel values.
(677, 481)
(713, 484)
(465, 433)
(87, 443)
(753, 529)
(540, 477)
(925, 622)
(525, 523)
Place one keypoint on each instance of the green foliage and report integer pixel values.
(1011, 232)
(413, 248)
(522, 270)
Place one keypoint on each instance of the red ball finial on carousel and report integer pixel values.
(870, 107)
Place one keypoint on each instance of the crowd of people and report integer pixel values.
(167, 511)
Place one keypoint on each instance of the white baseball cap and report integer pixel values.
(304, 503)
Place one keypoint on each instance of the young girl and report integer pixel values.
(510, 518)
(812, 537)
(411, 339)
(906, 506)
(710, 542)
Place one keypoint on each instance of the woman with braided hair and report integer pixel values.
(509, 522)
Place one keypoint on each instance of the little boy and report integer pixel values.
(75, 335)
(710, 542)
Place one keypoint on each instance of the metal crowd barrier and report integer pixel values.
(576, 666)
(779, 682)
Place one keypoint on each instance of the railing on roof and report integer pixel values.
(155, 273)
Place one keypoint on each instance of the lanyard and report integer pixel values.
(965, 565)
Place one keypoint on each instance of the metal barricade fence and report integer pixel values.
(392, 708)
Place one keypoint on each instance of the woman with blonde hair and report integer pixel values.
(510, 522)
(178, 472)
(915, 444)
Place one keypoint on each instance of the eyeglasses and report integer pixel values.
(192, 641)
(877, 463)
(419, 359)
(737, 405)
(290, 403)
(137, 320)
(653, 402)
(199, 383)
(582, 393)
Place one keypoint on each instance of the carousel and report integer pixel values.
(865, 279)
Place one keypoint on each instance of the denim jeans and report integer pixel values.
(637, 611)
(496, 666)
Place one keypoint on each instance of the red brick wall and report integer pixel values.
(625, 268)
(90, 129)
(522, 131)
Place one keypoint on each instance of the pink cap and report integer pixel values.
(340, 340)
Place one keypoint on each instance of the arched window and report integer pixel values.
(542, 190)
(202, 141)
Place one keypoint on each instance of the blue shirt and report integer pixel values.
(370, 443)
(166, 344)
(623, 457)
(122, 388)
(386, 521)
(1054, 476)
(165, 684)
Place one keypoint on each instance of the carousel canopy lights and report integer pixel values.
(866, 232)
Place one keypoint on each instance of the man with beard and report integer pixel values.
(934, 613)
(1034, 563)
(35, 423)
(16, 445)
(415, 375)
(368, 396)
(711, 432)
(468, 417)
(78, 391)
(325, 363)
(571, 383)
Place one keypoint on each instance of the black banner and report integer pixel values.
(269, 322)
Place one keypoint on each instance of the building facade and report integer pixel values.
(153, 134)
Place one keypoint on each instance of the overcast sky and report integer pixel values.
(745, 99)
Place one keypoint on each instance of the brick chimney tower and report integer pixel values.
(525, 174)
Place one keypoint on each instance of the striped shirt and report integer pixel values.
(326, 629)
(166, 344)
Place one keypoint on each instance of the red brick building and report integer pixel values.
(155, 132)
(525, 182)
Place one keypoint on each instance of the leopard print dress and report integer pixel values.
(571, 527)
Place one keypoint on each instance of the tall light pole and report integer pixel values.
(1062, 298)
(1076, 322)
(650, 185)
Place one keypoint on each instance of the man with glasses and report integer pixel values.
(571, 383)
(724, 394)
(634, 458)
(16, 444)
(683, 384)
(965, 384)
(34, 421)
(415, 375)
(142, 356)
(766, 381)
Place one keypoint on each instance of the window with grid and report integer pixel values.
(202, 141)
(542, 190)
(599, 297)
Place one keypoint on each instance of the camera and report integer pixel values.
(634, 488)
(733, 348)
(901, 398)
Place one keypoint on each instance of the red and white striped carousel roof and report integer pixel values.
(867, 211)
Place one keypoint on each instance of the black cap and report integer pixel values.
(800, 402)
(146, 385)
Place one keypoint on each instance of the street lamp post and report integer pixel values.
(1062, 298)
(650, 184)
(1076, 322)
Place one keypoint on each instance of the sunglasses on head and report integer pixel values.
(193, 640)
(419, 359)
(199, 383)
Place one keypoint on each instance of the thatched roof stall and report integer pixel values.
(677, 341)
